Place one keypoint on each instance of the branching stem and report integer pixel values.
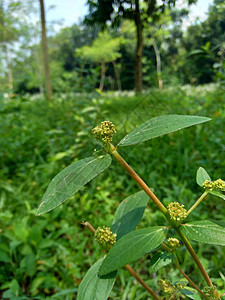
(163, 209)
(194, 256)
(186, 276)
(165, 247)
(130, 270)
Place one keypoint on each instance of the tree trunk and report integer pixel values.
(117, 74)
(48, 83)
(3, 40)
(139, 49)
(103, 69)
(40, 79)
(158, 65)
(9, 69)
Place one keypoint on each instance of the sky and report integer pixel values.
(71, 11)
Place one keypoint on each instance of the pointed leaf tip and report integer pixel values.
(205, 232)
(159, 126)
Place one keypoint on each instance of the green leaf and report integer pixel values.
(205, 232)
(159, 126)
(28, 264)
(218, 194)
(64, 293)
(4, 256)
(35, 284)
(202, 176)
(131, 247)
(190, 293)
(70, 180)
(129, 213)
(94, 287)
(160, 260)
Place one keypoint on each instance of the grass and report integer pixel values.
(45, 256)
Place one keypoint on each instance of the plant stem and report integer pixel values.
(142, 184)
(89, 226)
(174, 294)
(193, 254)
(163, 209)
(186, 276)
(132, 272)
(165, 247)
(197, 202)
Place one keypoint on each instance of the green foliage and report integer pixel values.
(47, 138)
(129, 213)
(159, 261)
(104, 48)
(202, 176)
(205, 232)
(132, 246)
(95, 287)
(159, 126)
(71, 180)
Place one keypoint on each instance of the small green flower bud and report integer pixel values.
(180, 285)
(104, 132)
(208, 185)
(166, 286)
(211, 292)
(105, 237)
(218, 184)
(173, 243)
(177, 212)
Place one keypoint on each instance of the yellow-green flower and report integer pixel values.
(166, 286)
(174, 243)
(211, 292)
(104, 132)
(105, 237)
(218, 184)
(177, 211)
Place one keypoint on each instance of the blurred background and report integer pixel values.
(65, 66)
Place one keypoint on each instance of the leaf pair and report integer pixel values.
(130, 246)
(75, 176)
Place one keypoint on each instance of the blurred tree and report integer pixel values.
(48, 83)
(104, 49)
(101, 11)
(155, 34)
(11, 28)
(210, 36)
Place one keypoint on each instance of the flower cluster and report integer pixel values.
(177, 211)
(174, 243)
(166, 286)
(180, 285)
(105, 237)
(104, 132)
(218, 184)
(211, 292)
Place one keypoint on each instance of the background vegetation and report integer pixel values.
(46, 257)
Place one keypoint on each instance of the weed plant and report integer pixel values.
(38, 140)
